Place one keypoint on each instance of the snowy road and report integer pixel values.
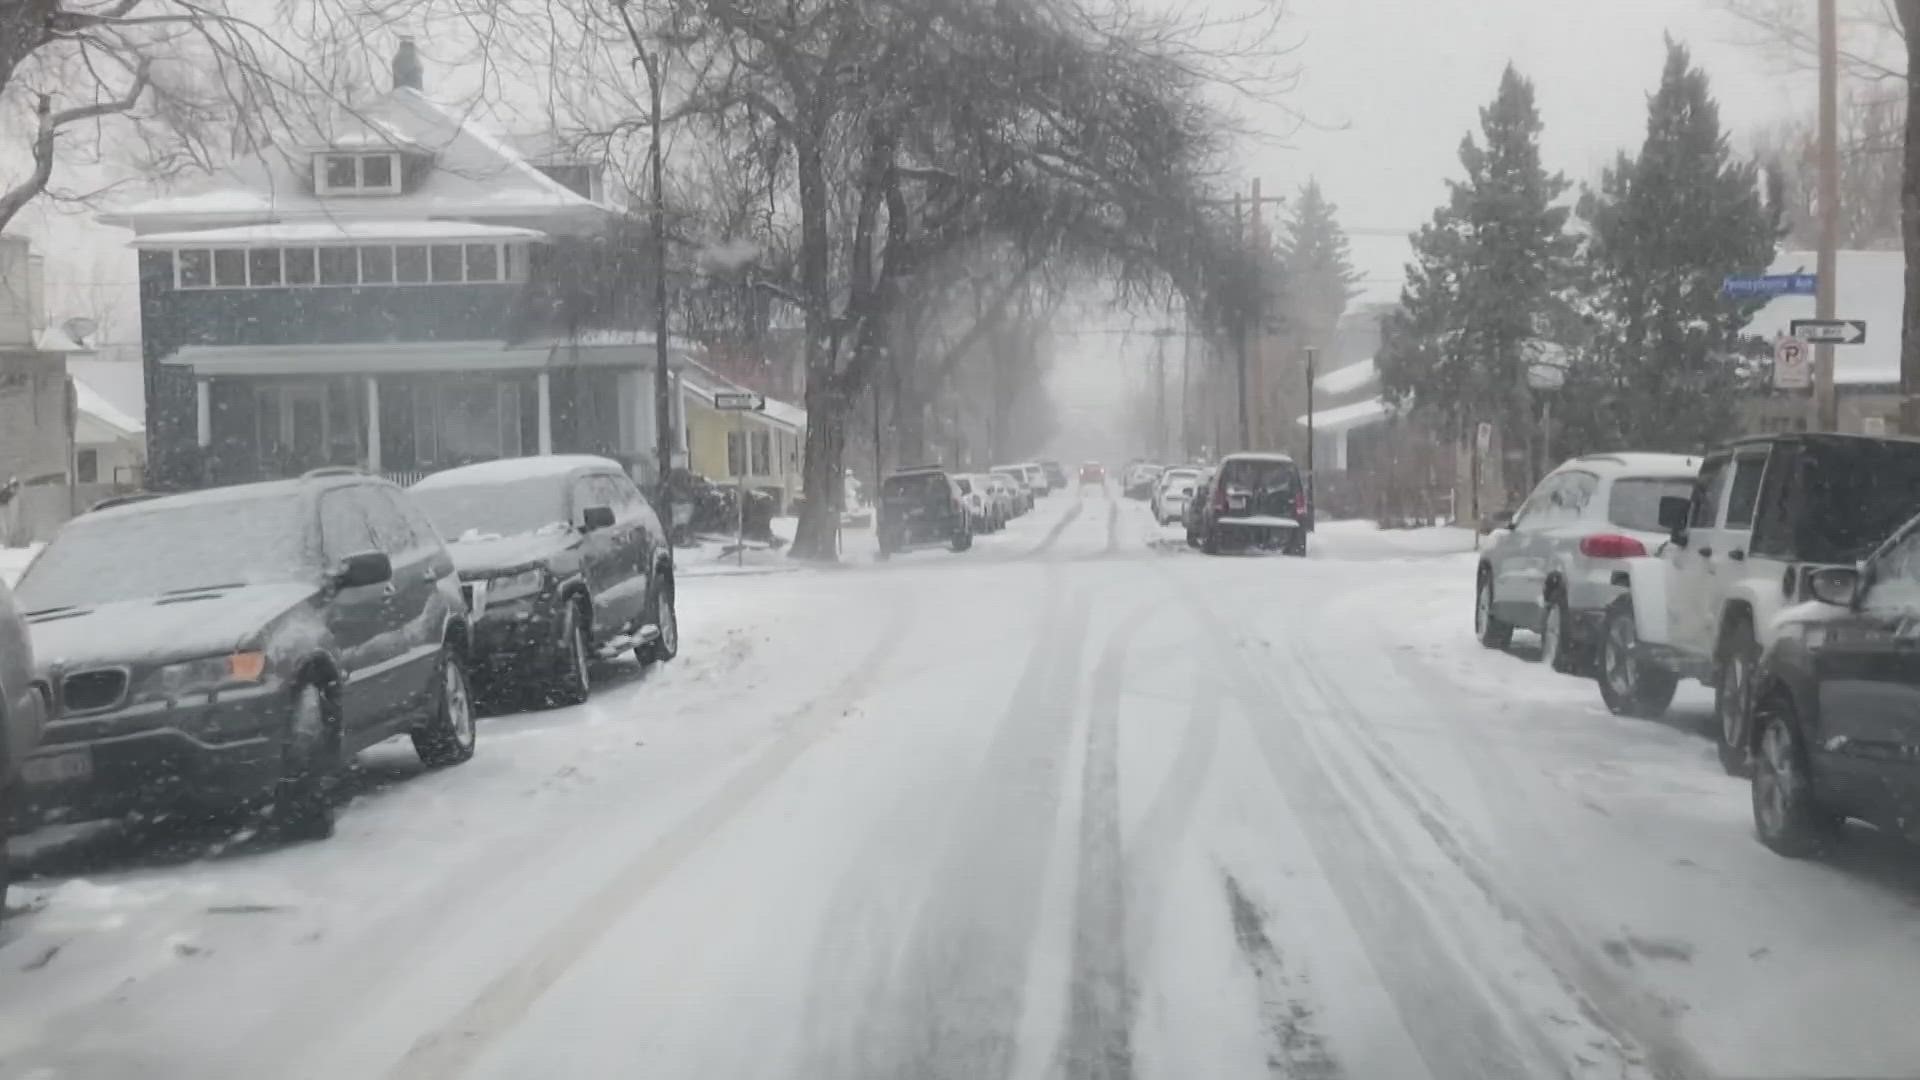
(1078, 803)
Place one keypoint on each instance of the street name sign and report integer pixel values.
(732, 402)
(1830, 331)
(1769, 285)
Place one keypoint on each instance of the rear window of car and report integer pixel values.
(1259, 474)
(1634, 502)
(1853, 496)
(919, 487)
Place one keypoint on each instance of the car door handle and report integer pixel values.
(1737, 555)
(1706, 553)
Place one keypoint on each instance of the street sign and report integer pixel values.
(1791, 371)
(1830, 331)
(741, 402)
(1483, 437)
(1875, 426)
(1769, 285)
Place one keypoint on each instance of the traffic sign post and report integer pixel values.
(1791, 369)
(1750, 287)
(1830, 331)
(741, 402)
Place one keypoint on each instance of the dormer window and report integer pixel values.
(357, 174)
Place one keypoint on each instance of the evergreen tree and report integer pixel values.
(1668, 356)
(1487, 282)
(1318, 266)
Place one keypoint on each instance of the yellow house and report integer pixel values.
(721, 446)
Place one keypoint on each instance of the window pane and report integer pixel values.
(1745, 491)
(376, 265)
(263, 267)
(736, 453)
(762, 454)
(299, 263)
(340, 173)
(410, 264)
(196, 269)
(376, 171)
(1706, 495)
(483, 262)
(339, 266)
(446, 262)
(1635, 501)
(343, 525)
(87, 466)
(230, 268)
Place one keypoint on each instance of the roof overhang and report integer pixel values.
(324, 233)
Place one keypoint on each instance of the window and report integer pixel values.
(357, 174)
(1896, 581)
(195, 269)
(343, 526)
(447, 263)
(580, 495)
(1634, 502)
(376, 171)
(463, 421)
(1537, 511)
(376, 265)
(1571, 495)
(1744, 494)
(390, 527)
(1706, 494)
(1773, 524)
(299, 264)
(410, 264)
(263, 267)
(736, 453)
(86, 466)
(762, 453)
(341, 172)
(339, 266)
(483, 262)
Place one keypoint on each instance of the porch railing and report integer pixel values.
(405, 477)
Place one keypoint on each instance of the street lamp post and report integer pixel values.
(1311, 353)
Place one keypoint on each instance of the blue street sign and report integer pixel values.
(1770, 285)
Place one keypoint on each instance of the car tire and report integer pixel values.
(1492, 633)
(310, 767)
(1558, 650)
(1629, 685)
(963, 539)
(570, 682)
(1786, 816)
(447, 737)
(1297, 545)
(1732, 700)
(667, 618)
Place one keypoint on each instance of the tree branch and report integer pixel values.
(47, 126)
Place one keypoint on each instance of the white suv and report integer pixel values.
(1764, 514)
(1551, 568)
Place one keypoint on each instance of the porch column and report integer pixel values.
(203, 411)
(373, 424)
(546, 412)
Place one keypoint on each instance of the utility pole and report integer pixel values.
(653, 61)
(1826, 401)
(1160, 394)
(1311, 352)
(1246, 424)
(1252, 319)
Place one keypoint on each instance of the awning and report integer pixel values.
(385, 358)
(1347, 417)
(322, 233)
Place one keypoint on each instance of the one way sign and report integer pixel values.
(1830, 331)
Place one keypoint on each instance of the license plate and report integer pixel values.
(58, 768)
(1238, 502)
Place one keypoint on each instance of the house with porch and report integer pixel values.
(762, 448)
(398, 289)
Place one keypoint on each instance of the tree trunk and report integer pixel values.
(1909, 11)
(817, 533)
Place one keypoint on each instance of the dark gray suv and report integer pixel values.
(238, 646)
(22, 712)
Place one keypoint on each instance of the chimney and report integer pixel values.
(406, 66)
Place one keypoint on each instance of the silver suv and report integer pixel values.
(22, 714)
(1550, 566)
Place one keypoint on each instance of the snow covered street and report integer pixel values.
(1079, 802)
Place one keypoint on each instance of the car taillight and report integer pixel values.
(1611, 546)
(1299, 502)
(1220, 496)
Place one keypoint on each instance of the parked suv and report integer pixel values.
(1255, 500)
(1022, 487)
(1055, 473)
(1764, 514)
(239, 645)
(561, 559)
(23, 709)
(1550, 566)
(1836, 705)
(920, 507)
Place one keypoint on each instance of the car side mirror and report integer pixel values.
(1840, 586)
(596, 517)
(364, 568)
(1674, 511)
(1501, 519)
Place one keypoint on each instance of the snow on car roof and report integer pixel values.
(1639, 462)
(1255, 455)
(509, 470)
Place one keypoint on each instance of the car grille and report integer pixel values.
(91, 691)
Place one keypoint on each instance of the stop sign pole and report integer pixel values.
(740, 404)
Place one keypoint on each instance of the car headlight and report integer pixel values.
(203, 675)
(520, 583)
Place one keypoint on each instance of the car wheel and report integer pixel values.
(447, 737)
(1629, 685)
(6, 830)
(570, 682)
(667, 619)
(1786, 816)
(310, 766)
(963, 539)
(1732, 700)
(1492, 633)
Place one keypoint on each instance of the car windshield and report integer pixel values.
(918, 488)
(177, 546)
(1258, 474)
(477, 511)
(1635, 500)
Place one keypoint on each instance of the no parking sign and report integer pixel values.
(1791, 370)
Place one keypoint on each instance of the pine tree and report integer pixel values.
(1487, 281)
(1318, 266)
(1668, 356)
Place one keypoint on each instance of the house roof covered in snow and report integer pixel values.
(108, 423)
(340, 232)
(1348, 379)
(475, 174)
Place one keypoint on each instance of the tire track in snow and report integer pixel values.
(1053, 534)
(1170, 813)
(956, 1005)
(453, 1048)
(1100, 999)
